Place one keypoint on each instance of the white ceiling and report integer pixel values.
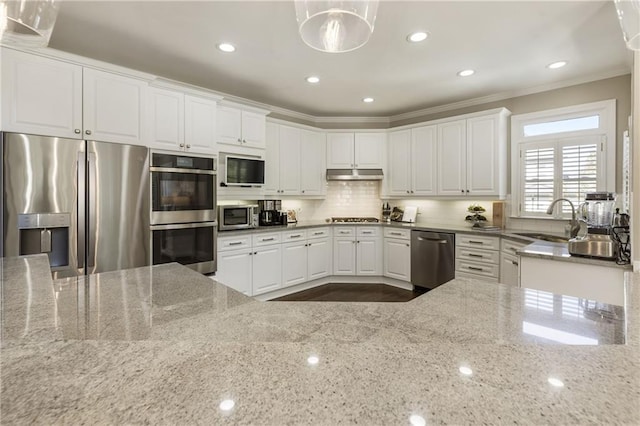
(508, 43)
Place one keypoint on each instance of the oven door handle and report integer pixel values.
(186, 171)
(183, 226)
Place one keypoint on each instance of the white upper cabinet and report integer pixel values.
(41, 96)
(360, 150)
(182, 122)
(412, 162)
(289, 160)
(272, 160)
(312, 163)
(472, 155)
(239, 127)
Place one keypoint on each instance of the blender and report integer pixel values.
(597, 213)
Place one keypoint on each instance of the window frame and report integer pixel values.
(606, 180)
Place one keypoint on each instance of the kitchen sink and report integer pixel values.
(543, 237)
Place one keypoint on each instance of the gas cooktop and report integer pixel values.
(354, 219)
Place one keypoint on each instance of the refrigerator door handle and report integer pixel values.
(82, 207)
(91, 224)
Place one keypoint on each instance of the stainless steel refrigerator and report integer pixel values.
(83, 203)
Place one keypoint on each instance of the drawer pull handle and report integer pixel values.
(395, 233)
(295, 236)
(514, 262)
(474, 255)
(344, 232)
(237, 243)
(318, 233)
(475, 269)
(268, 239)
(475, 242)
(367, 232)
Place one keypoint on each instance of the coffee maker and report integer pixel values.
(270, 213)
(597, 213)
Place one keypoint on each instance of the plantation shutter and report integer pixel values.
(579, 169)
(538, 164)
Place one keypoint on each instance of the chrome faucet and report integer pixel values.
(574, 224)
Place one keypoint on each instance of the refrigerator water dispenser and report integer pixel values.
(45, 233)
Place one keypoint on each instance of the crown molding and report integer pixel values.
(508, 95)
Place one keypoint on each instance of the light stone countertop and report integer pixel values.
(166, 345)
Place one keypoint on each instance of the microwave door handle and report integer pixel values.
(80, 226)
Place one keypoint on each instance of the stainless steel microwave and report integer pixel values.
(238, 217)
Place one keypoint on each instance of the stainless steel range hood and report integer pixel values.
(354, 174)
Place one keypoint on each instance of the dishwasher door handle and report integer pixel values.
(435, 240)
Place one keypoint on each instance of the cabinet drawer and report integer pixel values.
(480, 269)
(480, 256)
(266, 239)
(289, 236)
(368, 231)
(344, 231)
(478, 241)
(234, 243)
(510, 246)
(402, 234)
(460, 274)
(318, 233)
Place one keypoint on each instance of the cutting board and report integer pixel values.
(410, 213)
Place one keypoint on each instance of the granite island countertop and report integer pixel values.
(166, 345)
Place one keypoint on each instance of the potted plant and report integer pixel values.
(475, 216)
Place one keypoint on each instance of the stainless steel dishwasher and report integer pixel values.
(432, 258)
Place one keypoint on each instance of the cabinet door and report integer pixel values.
(344, 256)
(234, 269)
(41, 96)
(294, 263)
(113, 107)
(229, 125)
(200, 125)
(272, 160)
(253, 129)
(312, 163)
(424, 163)
(452, 158)
(166, 119)
(340, 149)
(483, 156)
(509, 270)
(397, 259)
(368, 150)
(369, 256)
(399, 155)
(267, 272)
(289, 160)
(319, 255)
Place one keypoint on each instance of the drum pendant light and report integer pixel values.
(336, 26)
(27, 23)
(629, 16)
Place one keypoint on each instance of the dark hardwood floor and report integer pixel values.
(339, 292)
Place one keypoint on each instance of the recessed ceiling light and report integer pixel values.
(227, 47)
(558, 64)
(417, 36)
(466, 73)
(367, 100)
(313, 79)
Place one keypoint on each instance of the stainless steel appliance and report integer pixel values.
(597, 212)
(183, 189)
(238, 217)
(432, 258)
(183, 211)
(84, 203)
(270, 212)
(243, 171)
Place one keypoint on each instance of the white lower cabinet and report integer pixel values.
(357, 251)
(478, 256)
(510, 261)
(397, 254)
(294, 263)
(319, 259)
(267, 273)
(305, 260)
(234, 269)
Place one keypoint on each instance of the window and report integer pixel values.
(562, 153)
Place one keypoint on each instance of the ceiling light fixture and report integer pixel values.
(227, 47)
(629, 17)
(313, 79)
(556, 65)
(336, 26)
(28, 23)
(417, 36)
(466, 73)
(367, 100)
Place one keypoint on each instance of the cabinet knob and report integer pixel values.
(181, 145)
(462, 190)
(88, 132)
(467, 191)
(407, 191)
(244, 141)
(77, 131)
(412, 192)
(303, 191)
(188, 146)
(408, 245)
(239, 140)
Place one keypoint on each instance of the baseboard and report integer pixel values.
(347, 279)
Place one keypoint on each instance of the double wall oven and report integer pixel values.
(183, 211)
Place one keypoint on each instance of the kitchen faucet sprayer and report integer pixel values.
(575, 225)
